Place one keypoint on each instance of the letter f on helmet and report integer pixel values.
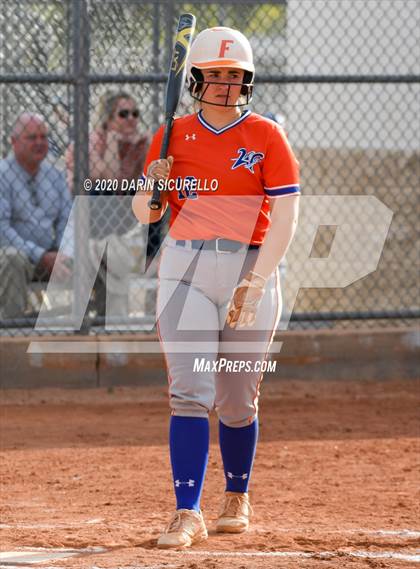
(224, 47)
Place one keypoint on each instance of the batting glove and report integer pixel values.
(246, 299)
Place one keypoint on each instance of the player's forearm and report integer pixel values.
(284, 215)
(143, 213)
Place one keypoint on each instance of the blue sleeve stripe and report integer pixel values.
(282, 190)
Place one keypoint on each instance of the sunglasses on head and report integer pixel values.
(125, 113)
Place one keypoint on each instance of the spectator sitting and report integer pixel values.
(34, 209)
(117, 151)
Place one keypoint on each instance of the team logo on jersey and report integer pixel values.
(247, 159)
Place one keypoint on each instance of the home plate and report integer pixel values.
(40, 555)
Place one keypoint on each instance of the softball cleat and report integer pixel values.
(234, 517)
(186, 528)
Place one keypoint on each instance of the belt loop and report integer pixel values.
(220, 251)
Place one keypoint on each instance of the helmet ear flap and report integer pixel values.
(247, 88)
(196, 81)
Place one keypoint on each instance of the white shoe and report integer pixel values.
(185, 528)
(234, 517)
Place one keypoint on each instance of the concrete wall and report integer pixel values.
(307, 355)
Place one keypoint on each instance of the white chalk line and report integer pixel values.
(59, 525)
(20, 566)
(42, 554)
(325, 555)
(414, 557)
(137, 567)
(403, 533)
(56, 567)
(34, 555)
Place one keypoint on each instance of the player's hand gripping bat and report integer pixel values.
(174, 85)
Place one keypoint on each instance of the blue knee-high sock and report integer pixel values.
(189, 448)
(238, 450)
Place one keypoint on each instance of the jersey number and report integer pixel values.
(187, 188)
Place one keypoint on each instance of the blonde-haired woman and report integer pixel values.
(117, 148)
(117, 152)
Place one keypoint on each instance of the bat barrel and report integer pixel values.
(166, 137)
(174, 86)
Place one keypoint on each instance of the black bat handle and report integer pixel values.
(155, 203)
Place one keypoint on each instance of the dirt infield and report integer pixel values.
(334, 485)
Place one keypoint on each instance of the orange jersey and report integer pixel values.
(221, 180)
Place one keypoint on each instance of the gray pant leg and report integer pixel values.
(237, 393)
(190, 317)
(191, 392)
(16, 271)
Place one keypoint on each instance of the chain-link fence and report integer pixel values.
(343, 78)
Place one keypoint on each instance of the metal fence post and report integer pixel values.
(80, 30)
(156, 41)
(5, 68)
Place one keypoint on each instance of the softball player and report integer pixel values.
(219, 299)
